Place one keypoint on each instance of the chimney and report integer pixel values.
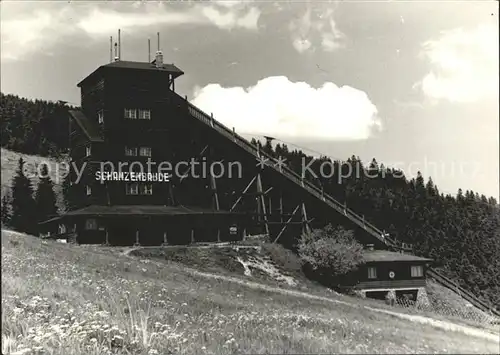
(159, 59)
(116, 52)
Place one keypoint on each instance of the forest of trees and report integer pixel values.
(33, 127)
(461, 232)
(24, 207)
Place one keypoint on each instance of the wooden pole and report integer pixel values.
(137, 240)
(307, 229)
(215, 200)
(198, 157)
(262, 201)
(289, 220)
(270, 207)
(171, 193)
(281, 207)
(243, 193)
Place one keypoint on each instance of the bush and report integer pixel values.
(285, 259)
(330, 252)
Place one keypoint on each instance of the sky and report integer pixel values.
(413, 84)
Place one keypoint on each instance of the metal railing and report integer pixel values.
(293, 176)
(467, 295)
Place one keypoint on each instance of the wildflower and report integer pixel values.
(22, 351)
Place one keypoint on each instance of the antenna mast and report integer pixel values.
(111, 49)
(158, 34)
(119, 46)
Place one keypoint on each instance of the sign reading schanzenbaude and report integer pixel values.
(132, 176)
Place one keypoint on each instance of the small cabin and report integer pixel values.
(387, 274)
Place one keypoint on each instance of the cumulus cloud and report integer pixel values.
(26, 30)
(464, 65)
(232, 18)
(316, 28)
(277, 106)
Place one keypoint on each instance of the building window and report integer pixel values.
(100, 85)
(132, 189)
(147, 189)
(145, 151)
(88, 151)
(130, 151)
(372, 273)
(89, 190)
(100, 116)
(417, 271)
(91, 224)
(144, 114)
(62, 229)
(130, 113)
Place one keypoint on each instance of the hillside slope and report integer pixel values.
(76, 300)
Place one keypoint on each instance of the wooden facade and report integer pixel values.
(385, 271)
(130, 122)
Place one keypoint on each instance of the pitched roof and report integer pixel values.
(127, 64)
(88, 127)
(144, 66)
(384, 255)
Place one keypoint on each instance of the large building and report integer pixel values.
(124, 144)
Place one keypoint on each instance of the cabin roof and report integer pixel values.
(140, 210)
(389, 256)
(88, 127)
(127, 64)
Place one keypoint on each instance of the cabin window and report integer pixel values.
(144, 114)
(100, 116)
(147, 189)
(132, 189)
(417, 271)
(145, 151)
(88, 151)
(372, 273)
(130, 151)
(91, 224)
(89, 190)
(130, 113)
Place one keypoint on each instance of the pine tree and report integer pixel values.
(24, 216)
(45, 198)
(268, 147)
(6, 214)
